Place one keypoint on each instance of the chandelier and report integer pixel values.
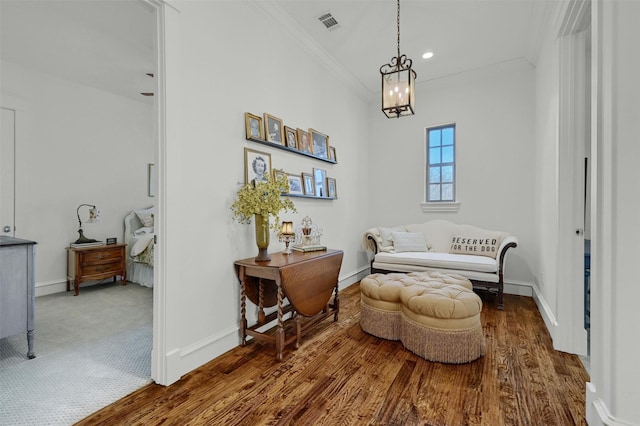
(398, 81)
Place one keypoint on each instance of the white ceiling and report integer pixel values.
(109, 44)
(463, 34)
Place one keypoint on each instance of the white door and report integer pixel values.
(7, 172)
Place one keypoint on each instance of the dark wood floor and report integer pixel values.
(343, 376)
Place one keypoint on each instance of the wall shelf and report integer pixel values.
(295, 151)
(310, 196)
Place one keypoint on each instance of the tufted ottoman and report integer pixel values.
(435, 315)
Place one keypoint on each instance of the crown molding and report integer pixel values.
(276, 13)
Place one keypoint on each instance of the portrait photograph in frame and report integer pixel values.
(319, 144)
(308, 185)
(331, 188)
(319, 178)
(253, 125)
(279, 172)
(273, 129)
(304, 143)
(290, 135)
(332, 154)
(257, 165)
(295, 184)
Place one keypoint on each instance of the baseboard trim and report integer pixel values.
(597, 411)
(45, 288)
(545, 311)
(518, 288)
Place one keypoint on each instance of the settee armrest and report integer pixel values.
(507, 242)
(372, 241)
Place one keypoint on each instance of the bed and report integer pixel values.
(139, 236)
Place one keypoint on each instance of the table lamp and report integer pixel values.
(94, 216)
(287, 235)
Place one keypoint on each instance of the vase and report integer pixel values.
(262, 237)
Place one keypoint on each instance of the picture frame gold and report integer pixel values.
(253, 126)
(332, 191)
(319, 144)
(291, 138)
(304, 143)
(295, 184)
(308, 184)
(332, 154)
(273, 129)
(257, 165)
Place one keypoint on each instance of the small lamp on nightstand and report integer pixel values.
(287, 235)
(94, 216)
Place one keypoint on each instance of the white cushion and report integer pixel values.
(145, 216)
(387, 239)
(408, 242)
(440, 260)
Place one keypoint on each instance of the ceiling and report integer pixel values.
(109, 44)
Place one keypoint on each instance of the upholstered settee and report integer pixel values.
(439, 245)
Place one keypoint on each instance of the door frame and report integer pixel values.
(570, 334)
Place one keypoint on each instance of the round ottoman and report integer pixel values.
(435, 315)
(442, 323)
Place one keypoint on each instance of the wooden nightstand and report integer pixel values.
(95, 263)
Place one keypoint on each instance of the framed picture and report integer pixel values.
(319, 144)
(295, 184)
(319, 178)
(253, 126)
(308, 185)
(257, 165)
(278, 172)
(331, 188)
(273, 129)
(332, 154)
(303, 141)
(292, 140)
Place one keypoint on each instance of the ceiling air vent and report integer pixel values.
(329, 21)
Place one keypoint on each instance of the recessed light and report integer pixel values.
(427, 55)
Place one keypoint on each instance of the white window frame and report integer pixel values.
(437, 205)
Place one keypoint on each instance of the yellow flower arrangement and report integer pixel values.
(263, 198)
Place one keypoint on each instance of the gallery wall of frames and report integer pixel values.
(270, 131)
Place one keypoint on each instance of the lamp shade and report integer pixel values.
(287, 228)
(94, 215)
(398, 91)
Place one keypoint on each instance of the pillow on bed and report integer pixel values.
(143, 230)
(145, 216)
(387, 238)
(409, 241)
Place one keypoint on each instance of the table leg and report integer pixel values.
(261, 316)
(76, 287)
(30, 353)
(243, 311)
(336, 305)
(280, 329)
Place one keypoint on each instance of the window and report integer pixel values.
(441, 164)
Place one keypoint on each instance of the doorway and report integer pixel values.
(41, 64)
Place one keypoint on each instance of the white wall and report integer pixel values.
(546, 172)
(75, 144)
(494, 114)
(230, 59)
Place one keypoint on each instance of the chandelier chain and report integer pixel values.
(398, 21)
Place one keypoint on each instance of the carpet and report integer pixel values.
(91, 350)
